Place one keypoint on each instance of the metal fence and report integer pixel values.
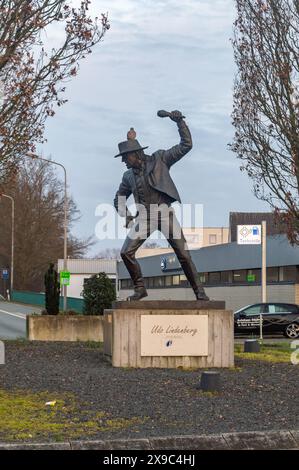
(36, 298)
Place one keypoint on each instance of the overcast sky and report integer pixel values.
(158, 54)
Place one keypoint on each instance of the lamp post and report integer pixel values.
(12, 238)
(32, 155)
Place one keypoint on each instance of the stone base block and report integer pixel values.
(136, 336)
(65, 327)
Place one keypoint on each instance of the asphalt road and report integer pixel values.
(13, 319)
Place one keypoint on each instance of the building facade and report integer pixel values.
(205, 236)
(229, 272)
(196, 237)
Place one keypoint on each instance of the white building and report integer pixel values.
(81, 269)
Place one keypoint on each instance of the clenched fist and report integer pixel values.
(176, 116)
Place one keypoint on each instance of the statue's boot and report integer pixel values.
(139, 293)
(200, 294)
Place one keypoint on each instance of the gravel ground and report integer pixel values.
(255, 396)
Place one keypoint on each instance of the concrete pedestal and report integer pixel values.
(126, 339)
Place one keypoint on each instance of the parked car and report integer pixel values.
(276, 318)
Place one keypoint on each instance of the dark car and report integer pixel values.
(276, 318)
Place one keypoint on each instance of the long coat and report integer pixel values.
(157, 171)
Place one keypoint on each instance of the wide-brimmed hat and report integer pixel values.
(130, 145)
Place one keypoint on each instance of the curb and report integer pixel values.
(253, 440)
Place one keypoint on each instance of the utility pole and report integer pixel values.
(264, 271)
(32, 155)
(12, 239)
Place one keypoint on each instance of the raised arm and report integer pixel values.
(174, 154)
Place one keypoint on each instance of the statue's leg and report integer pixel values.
(177, 241)
(129, 248)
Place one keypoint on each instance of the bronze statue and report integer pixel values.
(148, 179)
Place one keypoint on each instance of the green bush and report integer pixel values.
(98, 294)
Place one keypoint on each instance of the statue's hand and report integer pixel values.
(176, 116)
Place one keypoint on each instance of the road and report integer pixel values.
(13, 319)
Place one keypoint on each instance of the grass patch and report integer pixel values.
(235, 369)
(24, 416)
(93, 344)
(19, 342)
(270, 352)
(208, 394)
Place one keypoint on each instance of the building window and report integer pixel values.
(272, 274)
(239, 277)
(214, 278)
(192, 239)
(159, 281)
(253, 275)
(225, 277)
(289, 273)
(183, 281)
(203, 277)
(168, 281)
(127, 283)
(212, 239)
(175, 280)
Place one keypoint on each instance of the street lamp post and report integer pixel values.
(32, 155)
(12, 239)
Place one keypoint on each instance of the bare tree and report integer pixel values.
(266, 112)
(39, 219)
(109, 253)
(114, 253)
(33, 78)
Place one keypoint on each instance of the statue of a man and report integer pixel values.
(148, 179)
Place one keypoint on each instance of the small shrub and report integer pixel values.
(98, 294)
(69, 313)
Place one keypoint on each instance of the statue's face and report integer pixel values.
(131, 160)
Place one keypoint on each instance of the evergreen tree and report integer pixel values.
(52, 291)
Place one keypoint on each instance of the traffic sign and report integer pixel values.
(5, 273)
(249, 234)
(65, 277)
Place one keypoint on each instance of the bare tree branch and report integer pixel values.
(33, 79)
(266, 110)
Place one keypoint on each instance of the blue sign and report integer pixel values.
(169, 263)
(163, 264)
(255, 231)
(5, 274)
